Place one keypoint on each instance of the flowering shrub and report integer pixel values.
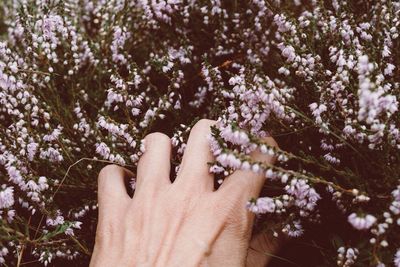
(83, 82)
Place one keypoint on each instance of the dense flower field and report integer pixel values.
(83, 81)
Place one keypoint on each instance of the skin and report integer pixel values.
(184, 223)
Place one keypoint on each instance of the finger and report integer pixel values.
(154, 165)
(246, 182)
(112, 191)
(194, 170)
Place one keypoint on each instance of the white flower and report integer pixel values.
(361, 222)
(103, 150)
(6, 197)
(389, 69)
(265, 204)
(289, 53)
(396, 259)
(305, 196)
(293, 230)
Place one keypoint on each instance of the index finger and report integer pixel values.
(112, 191)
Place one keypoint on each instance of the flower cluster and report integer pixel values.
(347, 257)
(83, 82)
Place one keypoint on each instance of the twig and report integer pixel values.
(85, 250)
(65, 176)
(20, 255)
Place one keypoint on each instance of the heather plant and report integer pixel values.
(82, 82)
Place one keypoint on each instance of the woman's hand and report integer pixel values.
(184, 223)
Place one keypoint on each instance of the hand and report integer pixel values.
(184, 223)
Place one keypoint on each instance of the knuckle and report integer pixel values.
(235, 216)
(223, 207)
(239, 226)
(240, 222)
(222, 210)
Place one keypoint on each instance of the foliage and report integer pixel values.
(83, 81)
